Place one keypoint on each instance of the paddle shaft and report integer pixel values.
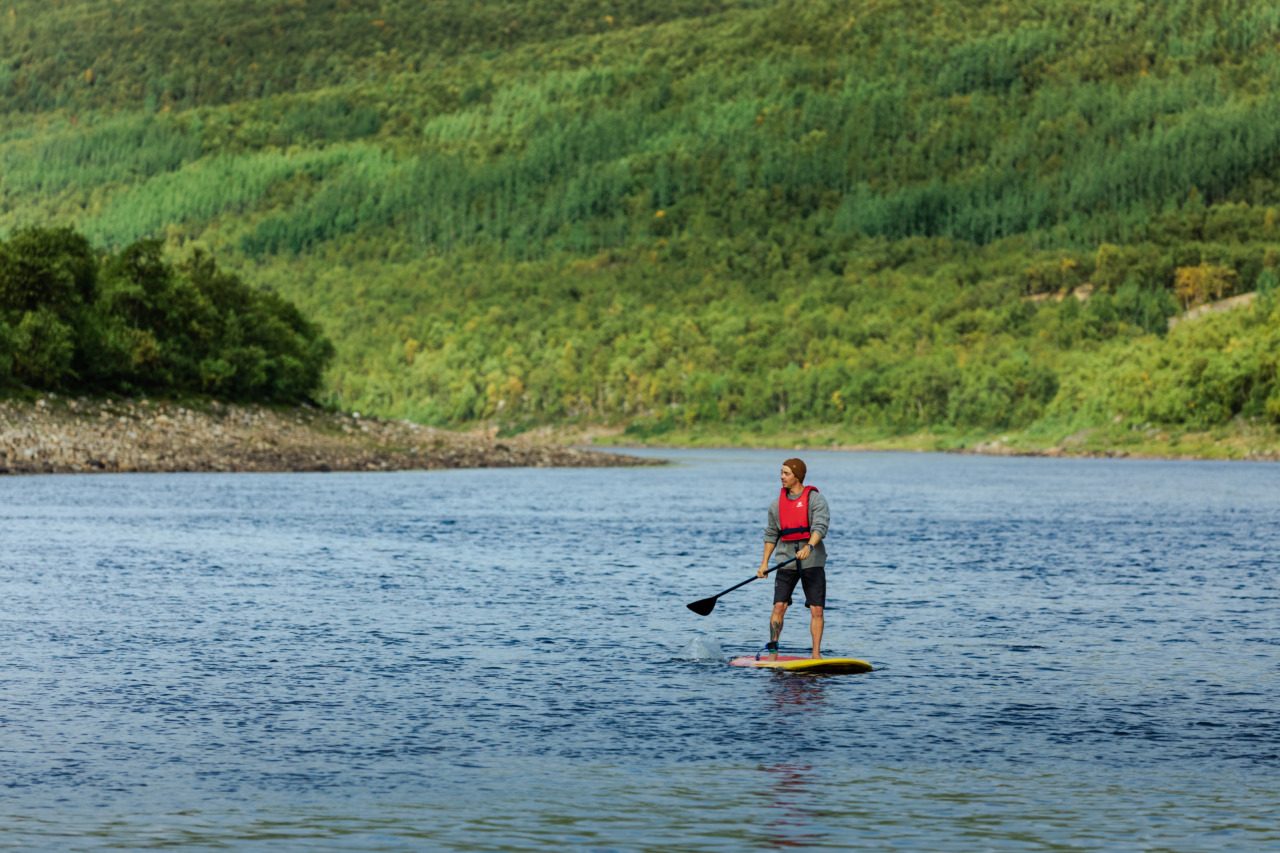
(704, 606)
(755, 577)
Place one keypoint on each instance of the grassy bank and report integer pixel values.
(1238, 440)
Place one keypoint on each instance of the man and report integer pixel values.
(797, 524)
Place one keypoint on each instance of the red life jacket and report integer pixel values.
(793, 515)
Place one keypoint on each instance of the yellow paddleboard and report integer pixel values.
(815, 666)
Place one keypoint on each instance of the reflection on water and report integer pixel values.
(797, 693)
(1068, 655)
(789, 793)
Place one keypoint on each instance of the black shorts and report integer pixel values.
(814, 581)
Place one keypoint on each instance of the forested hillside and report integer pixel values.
(876, 217)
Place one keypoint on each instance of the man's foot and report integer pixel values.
(771, 647)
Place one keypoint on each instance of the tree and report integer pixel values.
(43, 347)
(53, 268)
(1197, 285)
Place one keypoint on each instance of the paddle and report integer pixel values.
(704, 606)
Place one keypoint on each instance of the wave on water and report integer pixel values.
(703, 648)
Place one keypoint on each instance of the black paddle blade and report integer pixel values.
(703, 607)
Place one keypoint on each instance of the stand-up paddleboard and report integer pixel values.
(794, 663)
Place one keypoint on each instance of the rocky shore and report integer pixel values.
(55, 434)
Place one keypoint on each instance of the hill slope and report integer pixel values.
(792, 214)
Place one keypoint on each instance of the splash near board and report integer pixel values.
(794, 663)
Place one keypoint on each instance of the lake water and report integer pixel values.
(1071, 654)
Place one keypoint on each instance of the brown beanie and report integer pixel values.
(797, 468)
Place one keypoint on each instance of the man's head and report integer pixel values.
(793, 469)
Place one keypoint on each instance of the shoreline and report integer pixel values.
(53, 434)
(77, 435)
(1238, 442)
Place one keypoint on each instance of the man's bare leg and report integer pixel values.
(816, 623)
(775, 623)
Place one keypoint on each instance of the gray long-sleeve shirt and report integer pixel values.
(819, 521)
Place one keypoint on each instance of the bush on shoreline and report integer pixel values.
(132, 322)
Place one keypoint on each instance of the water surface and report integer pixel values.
(1072, 654)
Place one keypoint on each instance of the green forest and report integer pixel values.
(690, 219)
(133, 323)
